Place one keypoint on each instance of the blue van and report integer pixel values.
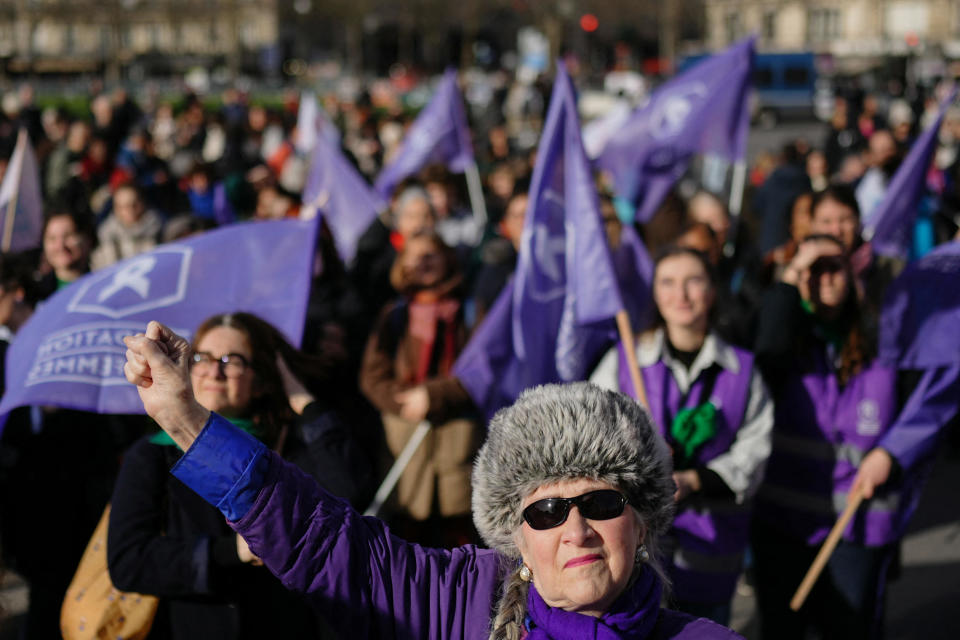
(785, 86)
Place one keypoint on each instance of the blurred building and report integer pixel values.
(148, 36)
(130, 39)
(430, 34)
(843, 28)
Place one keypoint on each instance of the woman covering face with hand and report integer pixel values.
(164, 540)
(712, 408)
(572, 491)
(835, 421)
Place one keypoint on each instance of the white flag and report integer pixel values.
(22, 223)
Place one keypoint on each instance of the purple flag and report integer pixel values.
(555, 317)
(341, 195)
(920, 319)
(889, 227)
(703, 110)
(488, 367)
(71, 352)
(919, 330)
(439, 135)
(21, 182)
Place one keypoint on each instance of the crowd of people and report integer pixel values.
(759, 365)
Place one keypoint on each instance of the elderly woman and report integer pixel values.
(551, 490)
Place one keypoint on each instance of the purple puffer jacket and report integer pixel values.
(366, 582)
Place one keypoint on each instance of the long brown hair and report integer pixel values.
(270, 407)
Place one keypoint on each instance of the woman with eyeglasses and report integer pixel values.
(164, 540)
(571, 491)
(709, 403)
(836, 414)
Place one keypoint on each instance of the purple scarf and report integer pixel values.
(632, 616)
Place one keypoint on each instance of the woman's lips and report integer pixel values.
(576, 562)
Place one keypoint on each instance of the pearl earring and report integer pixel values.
(525, 574)
(642, 555)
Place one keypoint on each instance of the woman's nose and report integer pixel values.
(576, 529)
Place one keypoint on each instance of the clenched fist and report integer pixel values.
(158, 363)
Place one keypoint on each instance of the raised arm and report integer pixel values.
(368, 582)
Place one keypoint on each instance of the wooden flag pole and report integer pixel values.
(626, 339)
(826, 550)
(12, 205)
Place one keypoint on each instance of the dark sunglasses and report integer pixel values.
(602, 504)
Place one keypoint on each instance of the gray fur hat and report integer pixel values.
(561, 432)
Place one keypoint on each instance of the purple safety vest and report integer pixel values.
(709, 536)
(821, 434)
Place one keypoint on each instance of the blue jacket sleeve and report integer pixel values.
(932, 404)
(225, 466)
(363, 580)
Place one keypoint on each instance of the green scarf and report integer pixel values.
(164, 439)
(691, 429)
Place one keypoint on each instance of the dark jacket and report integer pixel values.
(499, 262)
(164, 540)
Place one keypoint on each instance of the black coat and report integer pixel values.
(165, 540)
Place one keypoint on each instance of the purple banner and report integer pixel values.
(889, 227)
(920, 319)
(71, 352)
(555, 317)
(703, 110)
(439, 135)
(340, 194)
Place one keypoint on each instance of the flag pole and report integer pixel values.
(393, 476)
(737, 184)
(475, 190)
(12, 205)
(825, 551)
(626, 339)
